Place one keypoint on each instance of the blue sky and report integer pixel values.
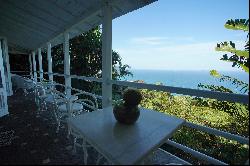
(178, 34)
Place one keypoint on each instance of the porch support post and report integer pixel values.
(34, 65)
(30, 62)
(106, 55)
(3, 93)
(49, 62)
(40, 60)
(67, 65)
(5, 44)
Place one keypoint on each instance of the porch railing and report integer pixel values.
(239, 98)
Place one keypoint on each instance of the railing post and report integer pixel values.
(49, 62)
(106, 55)
(40, 61)
(30, 62)
(6, 53)
(34, 65)
(67, 65)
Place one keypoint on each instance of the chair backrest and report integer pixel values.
(87, 100)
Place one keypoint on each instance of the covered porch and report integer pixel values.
(31, 27)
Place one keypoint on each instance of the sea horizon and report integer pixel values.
(185, 78)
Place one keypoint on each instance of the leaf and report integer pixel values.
(215, 73)
(230, 47)
(245, 68)
(237, 24)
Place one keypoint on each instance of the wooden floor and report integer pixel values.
(27, 137)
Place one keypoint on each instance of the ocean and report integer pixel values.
(185, 79)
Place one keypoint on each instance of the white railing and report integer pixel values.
(239, 98)
(195, 153)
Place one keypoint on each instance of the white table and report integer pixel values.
(125, 144)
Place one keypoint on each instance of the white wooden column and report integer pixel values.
(106, 56)
(67, 64)
(3, 92)
(40, 61)
(30, 62)
(49, 62)
(5, 44)
(34, 65)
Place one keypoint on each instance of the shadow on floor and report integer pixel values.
(27, 137)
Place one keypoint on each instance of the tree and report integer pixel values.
(239, 58)
(86, 60)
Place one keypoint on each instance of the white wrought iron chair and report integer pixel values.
(27, 85)
(73, 107)
(39, 96)
(47, 93)
(88, 106)
(64, 107)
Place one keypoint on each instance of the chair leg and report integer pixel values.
(99, 157)
(45, 106)
(74, 144)
(58, 126)
(69, 131)
(85, 150)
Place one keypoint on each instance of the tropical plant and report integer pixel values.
(239, 58)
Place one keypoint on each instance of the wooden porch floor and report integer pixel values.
(31, 138)
(27, 137)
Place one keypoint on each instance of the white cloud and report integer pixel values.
(194, 56)
(159, 40)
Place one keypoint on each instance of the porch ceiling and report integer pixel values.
(30, 24)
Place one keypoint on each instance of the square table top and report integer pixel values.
(121, 143)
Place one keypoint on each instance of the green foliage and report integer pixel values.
(86, 60)
(211, 113)
(132, 97)
(239, 58)
(230, 47)
(238, 24)
(215, 88)
(234, 117)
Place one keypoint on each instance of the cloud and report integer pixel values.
(159, 40)
(193, 56)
